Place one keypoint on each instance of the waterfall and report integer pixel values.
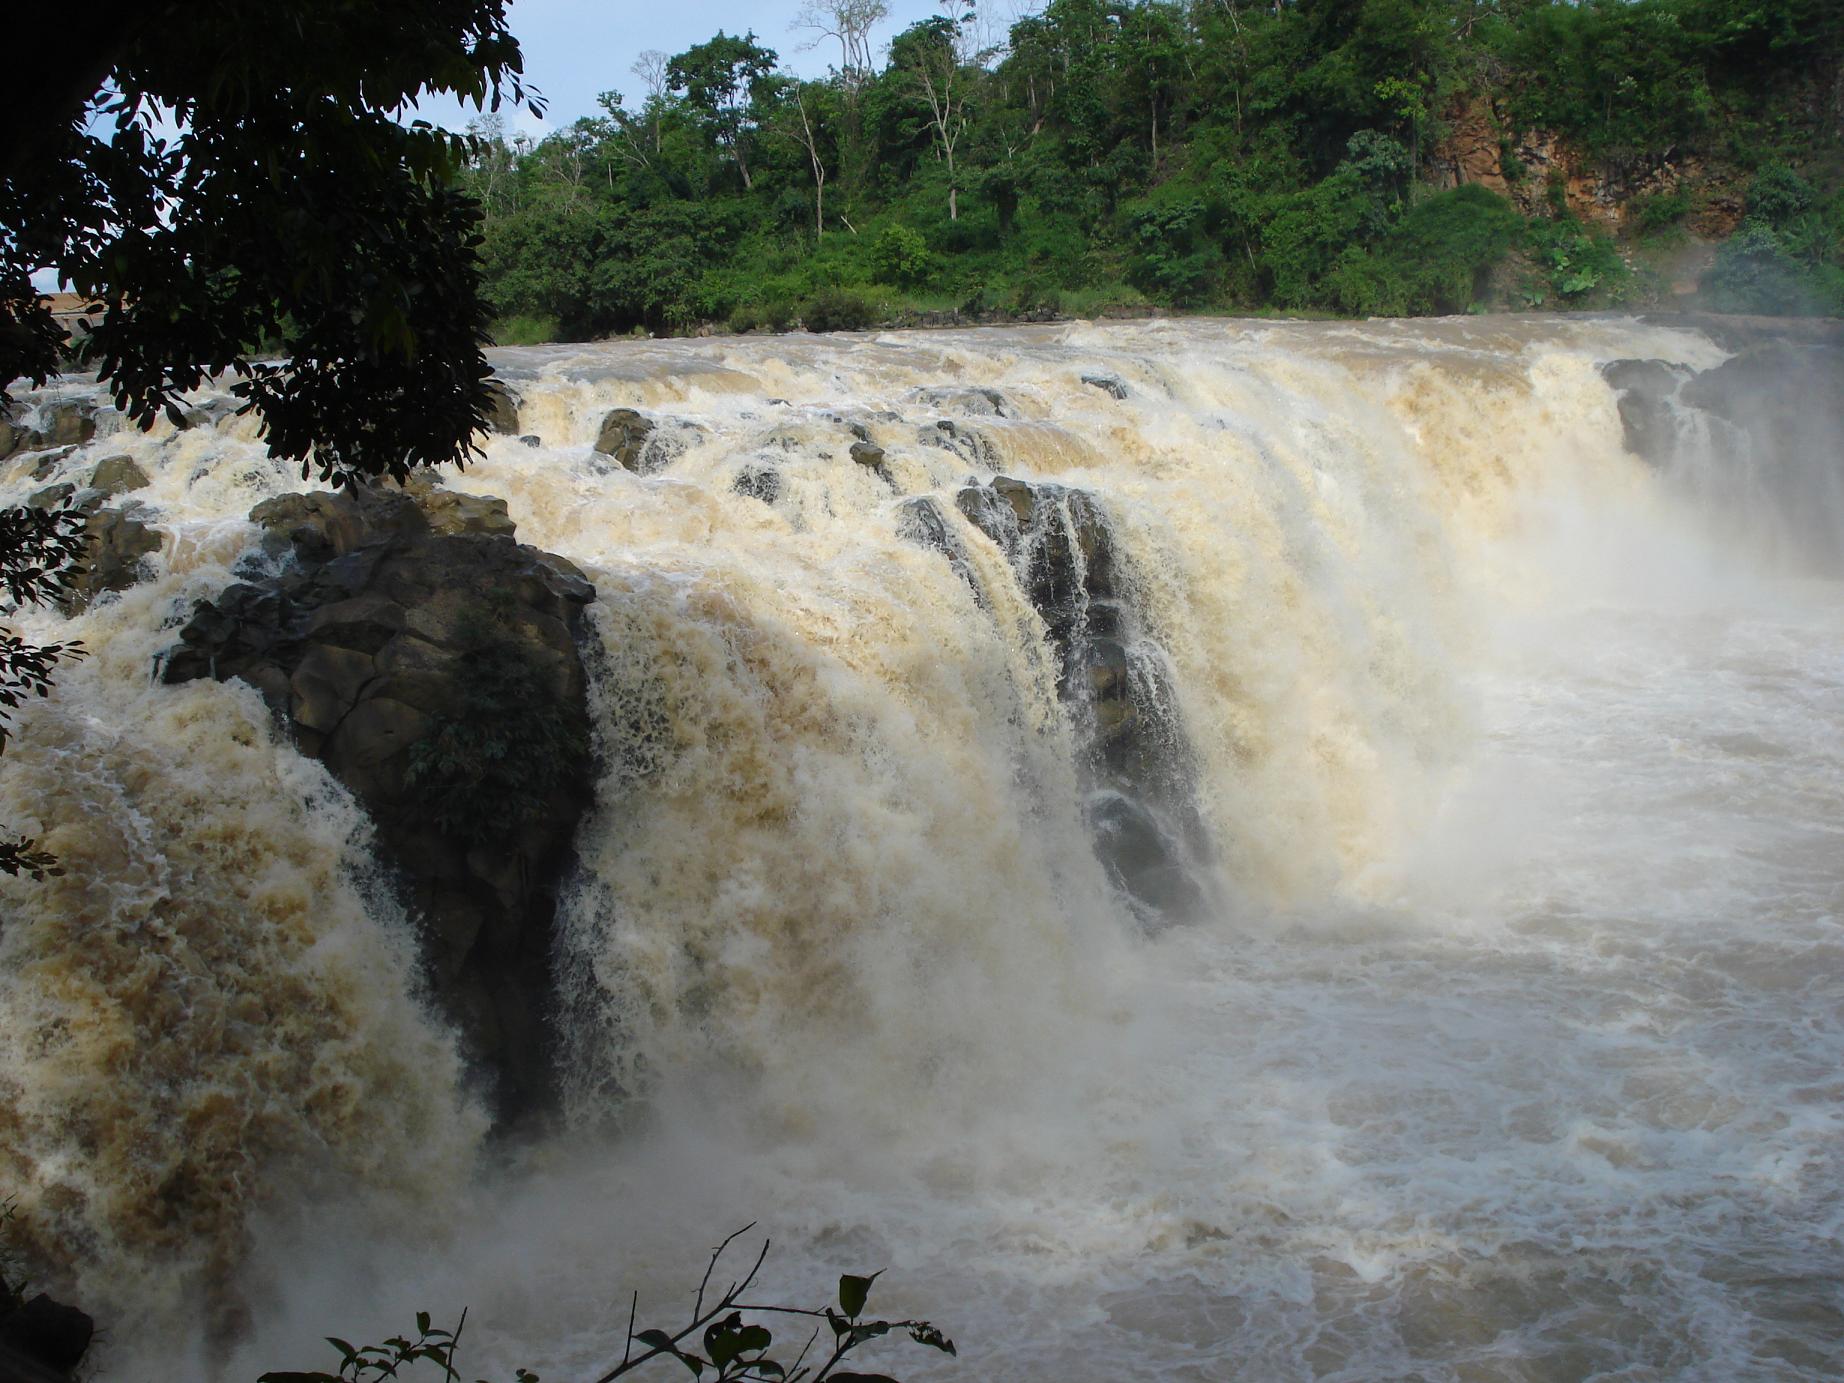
(1264, 849)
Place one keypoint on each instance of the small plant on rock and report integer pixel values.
(493, 763)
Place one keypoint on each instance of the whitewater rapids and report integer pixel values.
(1509, 1050)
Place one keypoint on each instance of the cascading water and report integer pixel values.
(1228, 850)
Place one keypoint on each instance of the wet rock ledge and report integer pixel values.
(431, 662)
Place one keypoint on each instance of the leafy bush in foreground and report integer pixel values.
(722, 1340)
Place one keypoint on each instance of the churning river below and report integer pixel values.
(1447, 985)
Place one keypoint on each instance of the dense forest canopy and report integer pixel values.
(1351, 156)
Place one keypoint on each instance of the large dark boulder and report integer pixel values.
(623, 435)
(431, 662)
(1144, 855)
(645, 445)
(119, 541)
(1059, 541)
(1786, 395)
(41, 1340)
(64, 423)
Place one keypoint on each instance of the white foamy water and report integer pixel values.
(1508, 1051)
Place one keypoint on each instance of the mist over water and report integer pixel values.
(1507, 1046)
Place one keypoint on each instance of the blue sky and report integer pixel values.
(576, 49)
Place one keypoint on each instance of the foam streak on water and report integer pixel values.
(1508, 1051)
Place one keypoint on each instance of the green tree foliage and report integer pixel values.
(221, 186)
(728, 82)
(1625, 77)
(901, 256)
(215, 175)
(1189, 153)
(39, 553)
(1431, 260)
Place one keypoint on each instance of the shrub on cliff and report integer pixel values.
(1582, 266)
(901, 256)
(1755, 273)
(1430, 261)
(837, 309)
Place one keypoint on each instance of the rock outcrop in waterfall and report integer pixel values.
(1112, 679)
(1767, 426)
(430, 661)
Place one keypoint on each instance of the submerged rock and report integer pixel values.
(431, 663)
(1144, 856)
(759, 482)
(968, 443)
(977, 401)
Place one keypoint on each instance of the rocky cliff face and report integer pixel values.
(430, 661)
(1482, 143)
